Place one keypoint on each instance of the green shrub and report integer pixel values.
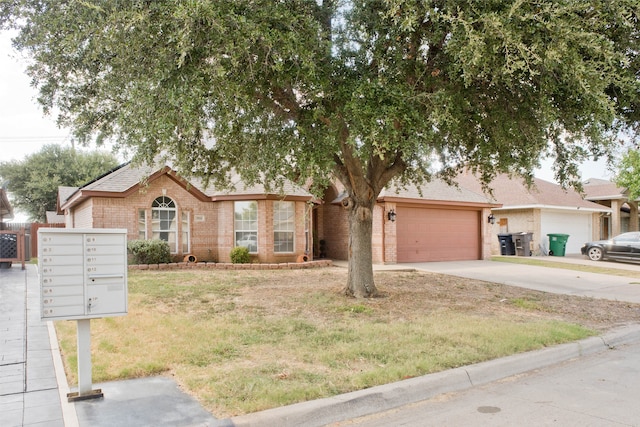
(149, 251)
(240, 255)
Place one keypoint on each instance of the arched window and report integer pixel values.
(164, 224)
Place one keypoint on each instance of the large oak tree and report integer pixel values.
(369, 92)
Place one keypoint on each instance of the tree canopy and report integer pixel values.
(34, 181)
(628, 173)
(369, 92)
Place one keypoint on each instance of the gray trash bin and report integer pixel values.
(522, 242)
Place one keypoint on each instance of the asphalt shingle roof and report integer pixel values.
(128, 176)
(437, 190)
(513, 192)
(601, 189)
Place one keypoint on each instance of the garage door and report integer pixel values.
(576, 225)
(437, 234)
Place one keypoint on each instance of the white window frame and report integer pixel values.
(284, 227)
(164, 211)
(185, 231)
(142, 224)
(245, 224)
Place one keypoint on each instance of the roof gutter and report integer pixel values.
(552, 207)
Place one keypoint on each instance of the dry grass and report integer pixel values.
(243, 341)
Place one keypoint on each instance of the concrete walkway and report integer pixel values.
(33, 387)
(553, 280)
(29, 393)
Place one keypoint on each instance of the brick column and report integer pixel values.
(615, 217)
(633, 215)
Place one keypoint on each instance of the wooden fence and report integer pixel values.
(30, 234)
(12, 247)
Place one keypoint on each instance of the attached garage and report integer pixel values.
(438, 234)
(438, 222)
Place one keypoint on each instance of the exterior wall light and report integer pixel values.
(391, 215)
(491, 219)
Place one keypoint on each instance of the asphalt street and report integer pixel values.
(597, 390)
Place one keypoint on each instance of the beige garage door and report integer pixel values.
(437, 234)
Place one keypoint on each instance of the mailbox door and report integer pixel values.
(61, 276)
(106, 274)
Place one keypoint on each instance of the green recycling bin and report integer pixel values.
(557, 244)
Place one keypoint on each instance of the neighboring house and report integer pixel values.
(445, 223)
(54, 217)
(194, 220)
(6, 210)
(442, 223)
(545, 208)
(624, 212)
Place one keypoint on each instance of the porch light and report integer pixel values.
(391, 215)
(491, 219)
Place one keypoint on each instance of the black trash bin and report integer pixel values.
(522, 242)
(507, 247)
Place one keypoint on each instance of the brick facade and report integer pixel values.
(116, 200)
(211, 223)
(333, 226)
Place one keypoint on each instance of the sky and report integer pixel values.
(24, 129)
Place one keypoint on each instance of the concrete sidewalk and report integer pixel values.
(33, 386)
(29, 393)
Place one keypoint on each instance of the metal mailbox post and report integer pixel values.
(83, 276)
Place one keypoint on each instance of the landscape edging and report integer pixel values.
(230, 266)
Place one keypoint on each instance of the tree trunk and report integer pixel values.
(360, 282)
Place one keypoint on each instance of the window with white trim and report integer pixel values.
(283, 226)
(246, 225)
(142, 224)
(164, 224)
(185, 228)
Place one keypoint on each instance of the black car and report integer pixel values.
(625, 246)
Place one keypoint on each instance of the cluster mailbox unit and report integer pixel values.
(83, 276)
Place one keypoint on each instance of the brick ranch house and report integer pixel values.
(445, 223)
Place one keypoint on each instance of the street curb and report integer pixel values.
(385, 397)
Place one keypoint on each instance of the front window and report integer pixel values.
(186, 241)
(633, 236)
(307, 233)
(164, 222)
(142, 224)
(246, 225)
(283, 226)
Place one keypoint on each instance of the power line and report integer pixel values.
(38, 138)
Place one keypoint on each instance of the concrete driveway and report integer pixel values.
(555, 280)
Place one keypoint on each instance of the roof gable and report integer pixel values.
(127, 178)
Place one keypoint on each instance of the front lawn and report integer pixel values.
(244, 341)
